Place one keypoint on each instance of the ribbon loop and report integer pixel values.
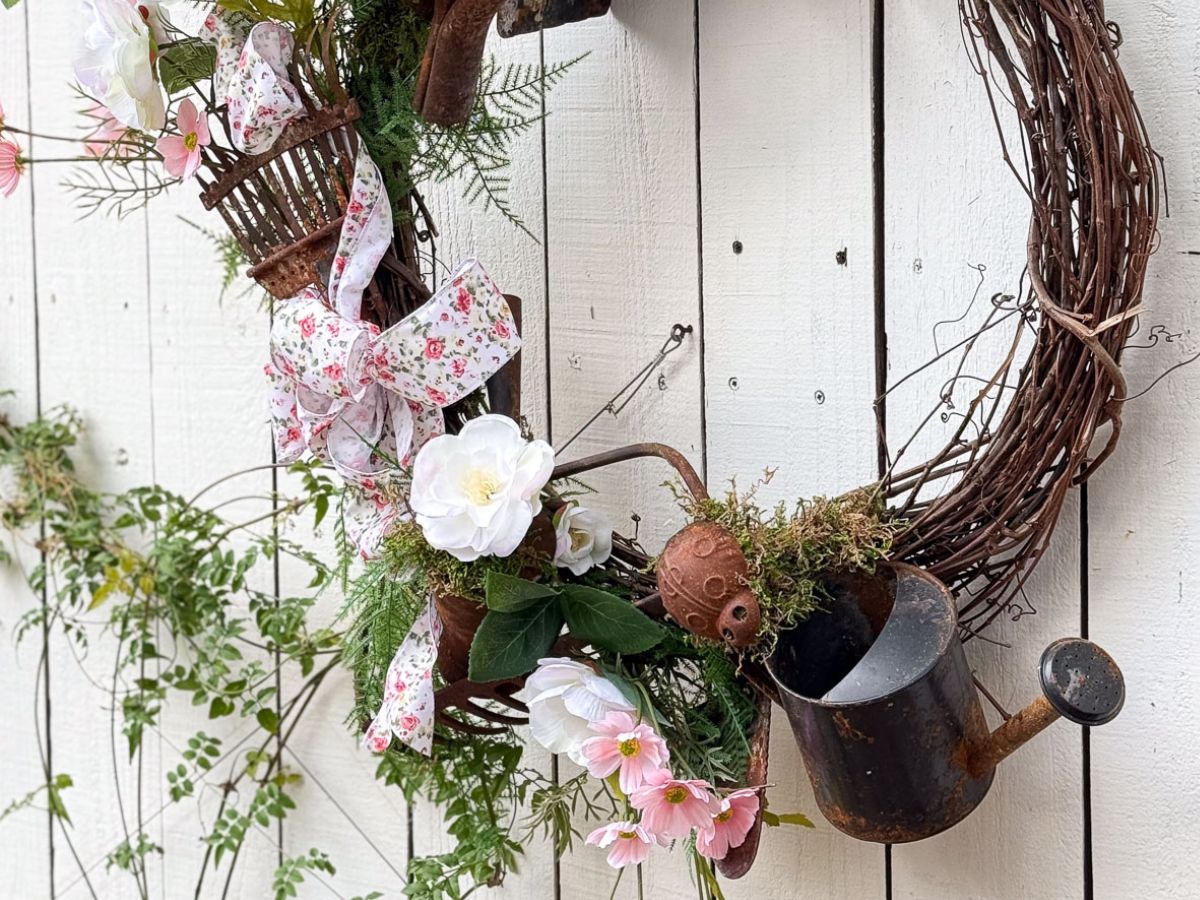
(251, 77)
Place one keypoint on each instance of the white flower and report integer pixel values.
(475, 493)
(116, 64)
(565, 697)
(584, 539)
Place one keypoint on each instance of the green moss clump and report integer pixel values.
(792, 552)
(406, 550)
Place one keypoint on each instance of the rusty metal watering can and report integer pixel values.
(884, 708)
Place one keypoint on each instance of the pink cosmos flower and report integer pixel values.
(107, 131)
(671, 808)
(12, 165)
(729, 826)
(181, 152)
(624, 746)
(630, 843)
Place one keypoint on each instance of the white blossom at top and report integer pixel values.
(116, 65)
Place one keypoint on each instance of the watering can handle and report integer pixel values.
(636, 451)
(1080, 683)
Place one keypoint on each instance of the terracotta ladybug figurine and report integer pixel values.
(702, 579)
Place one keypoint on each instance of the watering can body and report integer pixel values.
(885, 711)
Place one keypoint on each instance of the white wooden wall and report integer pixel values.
(694, 127)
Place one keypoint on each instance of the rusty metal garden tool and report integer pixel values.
(453, 58)
(449, 75)
(527, 16)
(883, 706)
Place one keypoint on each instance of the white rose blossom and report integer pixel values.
(564, 698)
(583, 539)
(475, 493)
(117, 63)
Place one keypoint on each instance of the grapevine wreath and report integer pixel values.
(490, 596)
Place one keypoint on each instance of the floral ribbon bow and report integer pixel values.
(365, 401)
(408, 697)
(251, 77)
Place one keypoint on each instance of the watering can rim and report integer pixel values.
(949, 636)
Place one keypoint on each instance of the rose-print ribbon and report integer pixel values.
(251, 78)
(366, 401)
(408, 697)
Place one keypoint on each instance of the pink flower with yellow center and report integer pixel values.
(624, 746)
(181, 152)
(12, 166)
(671, 808)
(729, 826)
(630, 843)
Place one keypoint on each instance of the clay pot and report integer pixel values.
(702, 578)
(461, 616)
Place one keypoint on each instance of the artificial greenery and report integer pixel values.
(170, 582)
(524, 620)
(792, 550)
(385, 40)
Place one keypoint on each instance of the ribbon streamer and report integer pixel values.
(408, 695)
(251, 78)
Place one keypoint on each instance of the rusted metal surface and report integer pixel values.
(739, 859)
(527, 16)
(886, 717)
(504, 388)
(702, 577)
(461, 618)
(884, 708)
(637, 451)
(1080, 682)
(449, 75)
(1016, 731)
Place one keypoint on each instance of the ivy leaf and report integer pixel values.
(608, 622)
(510, 644)
(509, 594)
(9, 4)
(268, 720)
(186, 63)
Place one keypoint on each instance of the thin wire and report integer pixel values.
(307, 771)
(631, 388)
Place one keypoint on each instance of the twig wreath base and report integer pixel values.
(669, 658)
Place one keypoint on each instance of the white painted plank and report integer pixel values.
(621, 195)
(26, 868)
(789, 352)
(951, 204)
(515, 261)
(621, 241)
(1144, 534)
(94, 326)
(207, 354)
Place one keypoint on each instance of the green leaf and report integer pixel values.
(268, 720)
(608, 622)
(769, 818)
(186, 63)
(9, 4)
(510, 644)
(508, 594)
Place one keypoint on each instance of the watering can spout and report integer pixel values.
(1080, 683)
